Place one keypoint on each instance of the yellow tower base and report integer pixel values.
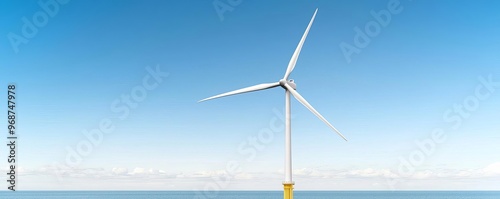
(288, 190)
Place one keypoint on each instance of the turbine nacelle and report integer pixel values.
(290, 82)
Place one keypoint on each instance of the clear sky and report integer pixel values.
(417, 96)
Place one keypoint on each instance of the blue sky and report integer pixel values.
(405, 84)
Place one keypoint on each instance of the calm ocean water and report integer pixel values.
(255, 194)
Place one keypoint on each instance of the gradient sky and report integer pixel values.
(393, 94)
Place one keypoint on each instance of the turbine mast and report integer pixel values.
(288, 183)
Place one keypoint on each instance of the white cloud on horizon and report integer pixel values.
(370, 176)
(491, 170)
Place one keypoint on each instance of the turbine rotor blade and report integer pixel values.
(311, 108)
(295, 55)
(244, 90)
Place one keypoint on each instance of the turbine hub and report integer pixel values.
(289, 82)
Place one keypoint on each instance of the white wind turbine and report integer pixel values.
(290, 87)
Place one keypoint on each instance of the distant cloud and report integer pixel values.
(492, 170)
(374, 176)
(368, 173)
(119, 171)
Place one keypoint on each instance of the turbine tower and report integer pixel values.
(290, 88)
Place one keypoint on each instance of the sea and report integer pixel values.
(252, 194)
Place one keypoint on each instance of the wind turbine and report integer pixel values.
(290, 88)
